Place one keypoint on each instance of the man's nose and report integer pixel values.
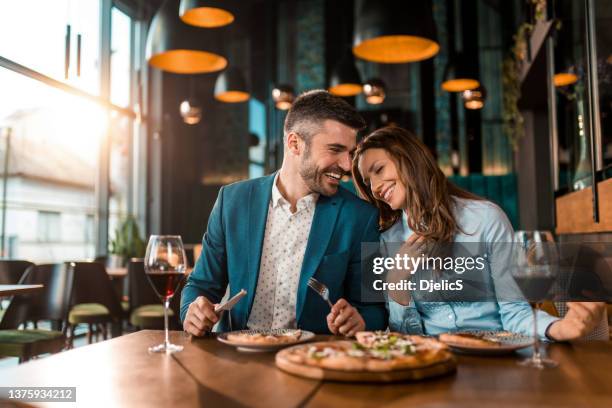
(345, 162)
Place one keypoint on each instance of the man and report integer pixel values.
(272, 234)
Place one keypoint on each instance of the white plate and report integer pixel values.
(306, 336)
(507, 342)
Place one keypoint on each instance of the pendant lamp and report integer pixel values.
(176, 47)
(231, 87)
(283, 96)
(205, 13)
(345, 80)
(389, 31)
(474, 98)
(375, 91)
(458, 75)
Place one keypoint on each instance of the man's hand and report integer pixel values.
(344, 319)
(200, 317)
(581, 319)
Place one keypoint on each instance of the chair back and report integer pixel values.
(92, 285)
(51, 303)
(11, 270)
(139, 288)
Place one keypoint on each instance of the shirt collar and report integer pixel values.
(278, 199)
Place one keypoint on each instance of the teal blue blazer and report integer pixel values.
(231, 252)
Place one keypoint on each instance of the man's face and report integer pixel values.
(328, 157)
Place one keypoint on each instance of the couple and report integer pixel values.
(271, 235)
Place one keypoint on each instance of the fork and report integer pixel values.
(321, 289)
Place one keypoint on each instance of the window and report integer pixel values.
(120, 57)
(53, 208)
(52, 163)
(49, 227)
(34, 34)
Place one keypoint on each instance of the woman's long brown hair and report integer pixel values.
(428, 192)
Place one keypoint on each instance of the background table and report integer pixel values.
(120, 372)
(10, 290)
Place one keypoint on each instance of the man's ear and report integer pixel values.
(294, 143)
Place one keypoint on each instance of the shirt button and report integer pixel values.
(450, 316)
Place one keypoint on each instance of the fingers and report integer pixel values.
(344, 316)
(353, 325)
(200, 317)
(330, 323)
(339, 306)
(344, 319)
(336, 310)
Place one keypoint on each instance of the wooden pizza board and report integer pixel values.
(437, 369)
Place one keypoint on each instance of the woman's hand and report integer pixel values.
(345, 319)
(581, 319)
(413, 247)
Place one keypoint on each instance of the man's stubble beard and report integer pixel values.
(312, 176)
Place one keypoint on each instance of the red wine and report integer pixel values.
(165, 282)
(535, 288)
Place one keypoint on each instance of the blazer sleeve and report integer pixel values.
(209, 277)
(374, 313)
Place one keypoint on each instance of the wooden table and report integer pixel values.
(120, 372)
(10, 290)
(117, 273)
(121, 272)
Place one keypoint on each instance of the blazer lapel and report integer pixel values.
(323, 223)
(257, 215)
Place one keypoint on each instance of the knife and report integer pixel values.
(231, 302)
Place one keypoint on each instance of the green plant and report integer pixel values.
(513, 125)
(127, 241)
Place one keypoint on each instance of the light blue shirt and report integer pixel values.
(482, 222)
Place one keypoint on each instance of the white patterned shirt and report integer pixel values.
(282, 255)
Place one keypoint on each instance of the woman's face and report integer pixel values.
(379, 172)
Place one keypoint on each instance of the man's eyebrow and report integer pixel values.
(337, 146)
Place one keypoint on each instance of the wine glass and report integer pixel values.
(165, 264)
(534, 268)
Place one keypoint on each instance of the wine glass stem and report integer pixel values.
(536, 338)
(166, 307)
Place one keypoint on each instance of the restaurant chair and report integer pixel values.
(50, 303)
(94, 301)
(146, 309)
(101, 259)
(11, 270)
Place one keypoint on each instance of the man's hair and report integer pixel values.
(311, 108)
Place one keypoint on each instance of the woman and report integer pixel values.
(394, 171)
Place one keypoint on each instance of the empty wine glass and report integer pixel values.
(535, 267)
(165, 265)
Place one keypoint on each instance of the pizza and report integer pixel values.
(372, 351)
(265, 337)
(468, 339)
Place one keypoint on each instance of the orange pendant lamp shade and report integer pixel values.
(386, 31)
(205, 13)
(230, 87)
(460, 75)
(564, 79)
(345, 80)
(176, 47)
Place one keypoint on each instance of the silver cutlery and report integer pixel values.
(321, 289)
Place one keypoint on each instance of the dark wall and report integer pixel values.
(189, 163)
